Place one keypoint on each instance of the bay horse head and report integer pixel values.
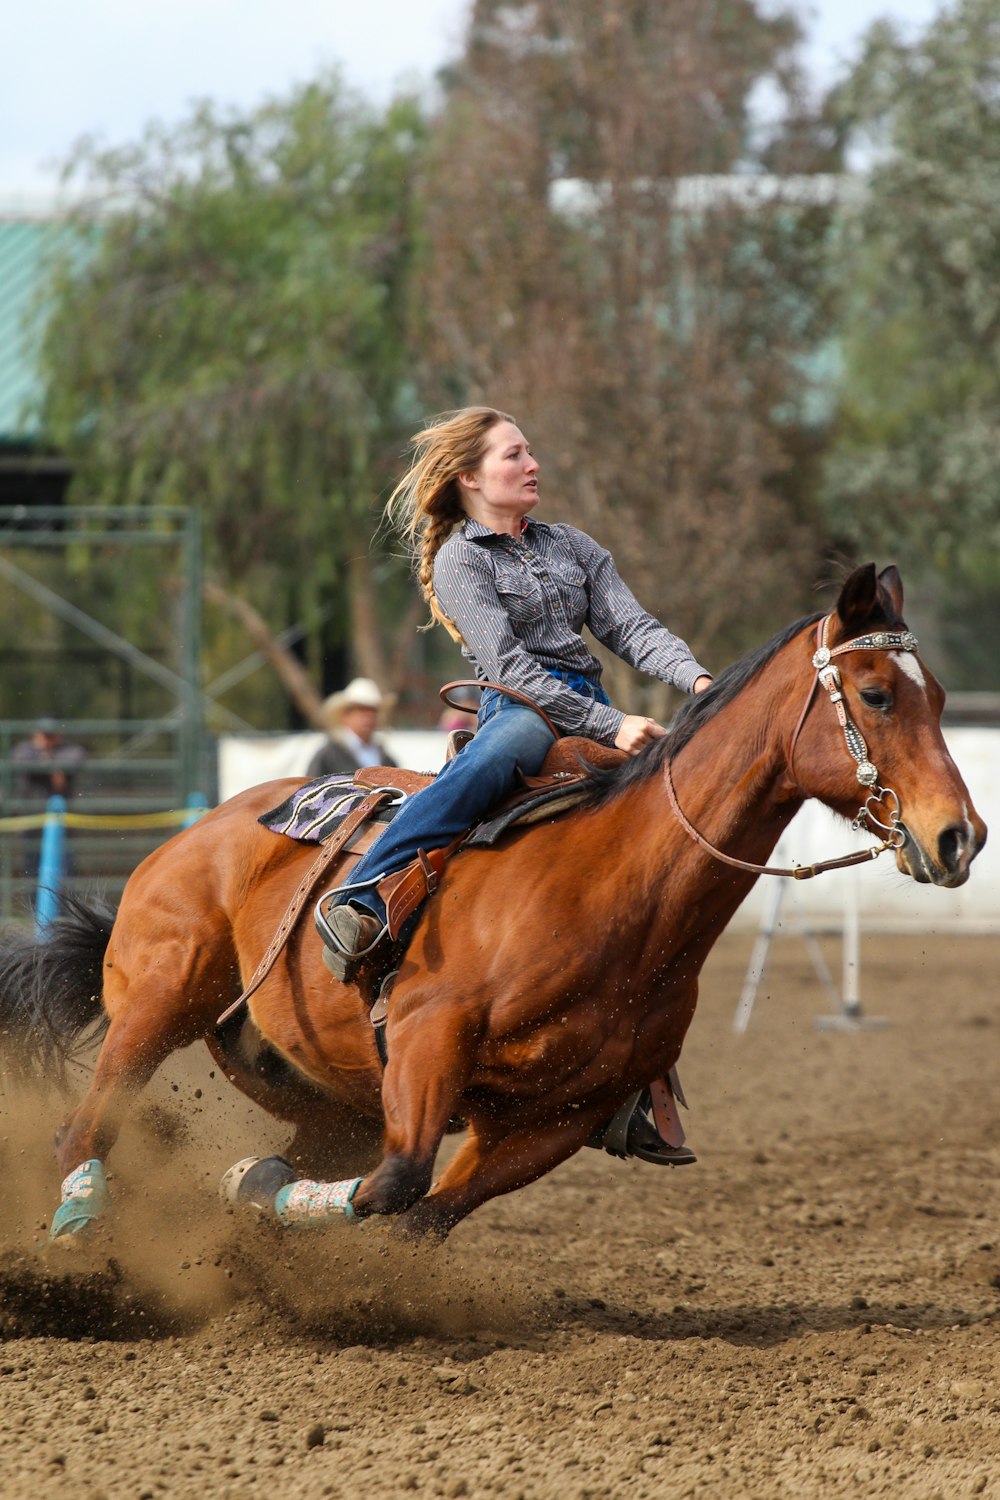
(868, 742)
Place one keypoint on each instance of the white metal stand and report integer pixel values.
(848, 1015)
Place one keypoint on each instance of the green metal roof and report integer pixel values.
(28, 243)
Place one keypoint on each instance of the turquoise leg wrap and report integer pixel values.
(85, 1197)
(310, 1203)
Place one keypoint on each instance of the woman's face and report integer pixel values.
(506, 483)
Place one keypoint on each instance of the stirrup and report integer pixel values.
(344, 963)
(631, 1132)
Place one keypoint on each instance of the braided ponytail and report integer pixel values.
(426, 505)
(435, 534)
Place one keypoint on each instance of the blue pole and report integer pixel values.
(50, 864)
(196, 805)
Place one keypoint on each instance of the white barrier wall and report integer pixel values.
(886, 901)
(246, 760)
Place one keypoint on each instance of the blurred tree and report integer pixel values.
(239, 341)
(916, 451)
(611, 263)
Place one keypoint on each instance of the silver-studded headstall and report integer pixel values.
(881, 808)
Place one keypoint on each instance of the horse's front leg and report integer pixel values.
(431, 1054)
(491, 1163)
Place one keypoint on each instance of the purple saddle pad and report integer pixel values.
(314, 812)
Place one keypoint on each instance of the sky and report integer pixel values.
(108, 67)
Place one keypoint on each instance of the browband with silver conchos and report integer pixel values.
(879, 640)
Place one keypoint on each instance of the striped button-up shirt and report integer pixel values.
(521, 603)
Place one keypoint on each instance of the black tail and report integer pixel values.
(50, 990)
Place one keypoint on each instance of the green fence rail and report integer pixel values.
(48, 871)
(129, 795)
(137, 771)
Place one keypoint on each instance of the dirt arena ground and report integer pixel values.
(812, 1310)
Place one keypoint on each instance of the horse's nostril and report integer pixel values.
(951, 845)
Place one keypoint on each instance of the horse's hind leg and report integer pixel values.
(160, 993)
(127, 1061)
(137, 1042)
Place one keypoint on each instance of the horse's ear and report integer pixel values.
(890, 581)
(858, 597)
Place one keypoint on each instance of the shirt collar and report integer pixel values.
(475, 531)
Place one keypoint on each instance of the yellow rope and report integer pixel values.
(105, 820)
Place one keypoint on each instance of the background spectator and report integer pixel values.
(352, 716)
(47, 763)
(47, 766)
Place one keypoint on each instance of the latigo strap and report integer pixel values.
(307, 885)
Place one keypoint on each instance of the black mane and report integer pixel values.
(601, 785)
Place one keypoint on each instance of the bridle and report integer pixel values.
(879, 812)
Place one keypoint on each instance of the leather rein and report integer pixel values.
(879, 813)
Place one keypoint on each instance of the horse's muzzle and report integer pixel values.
(949, 862)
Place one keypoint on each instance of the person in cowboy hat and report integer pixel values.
(352, 716)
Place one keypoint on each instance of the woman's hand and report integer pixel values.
(701, 683)
(636, 732)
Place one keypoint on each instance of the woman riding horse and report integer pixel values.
(532, 1021)
(515, 593)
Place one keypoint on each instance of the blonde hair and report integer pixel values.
(426, 505)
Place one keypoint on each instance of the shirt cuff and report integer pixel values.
(603, 723)
(686, 677)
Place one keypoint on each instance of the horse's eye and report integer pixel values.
(876, 698)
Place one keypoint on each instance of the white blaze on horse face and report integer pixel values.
(908, 663)
(970, 832)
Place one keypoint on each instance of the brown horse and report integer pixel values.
(548, 978)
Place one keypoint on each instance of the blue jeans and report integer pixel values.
(510, 738)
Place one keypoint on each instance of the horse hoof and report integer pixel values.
(255, 1180)
(85, 1198)
(70, 1244)
(229, 1186)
